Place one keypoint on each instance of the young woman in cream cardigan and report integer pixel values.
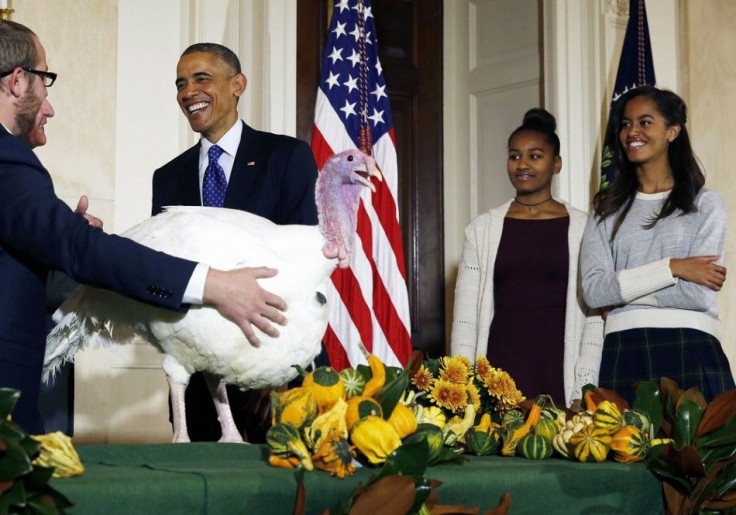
(517, 296)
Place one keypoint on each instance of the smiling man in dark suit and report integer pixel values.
(39, 232)
(270, 175)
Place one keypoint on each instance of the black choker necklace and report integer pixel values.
(530, 206)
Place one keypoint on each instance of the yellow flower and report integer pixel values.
(503, 388)
(423, 379)
(448, 395)
(482, 367)
(455, 370)
(474, 395)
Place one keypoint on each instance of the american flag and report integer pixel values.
(369, 301)
(635, 68)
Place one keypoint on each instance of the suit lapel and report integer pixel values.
(189, 188)
(245, 169)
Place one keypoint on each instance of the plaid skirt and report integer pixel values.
(687, 356)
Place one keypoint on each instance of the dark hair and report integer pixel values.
(541, 121)
(686, 172)
(17, 46)
(223, 53)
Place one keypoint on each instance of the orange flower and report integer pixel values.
(448, 395)
(423, 379)
(455, 370)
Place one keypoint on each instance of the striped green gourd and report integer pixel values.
(534, 447)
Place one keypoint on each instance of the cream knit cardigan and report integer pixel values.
(473, 313)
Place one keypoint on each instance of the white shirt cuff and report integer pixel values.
(195, 289)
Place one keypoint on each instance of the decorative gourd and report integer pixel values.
(375, 438)
(483, 442)
(638, 418)
(378, 376)
(513, 435)
(330, 424)
(295, 406)
(534, 447)
(561, 440)
(335, 455)
(607, 416)
(326, 385)
(354, 382)
(485, 423)
(284, 442)
(629, 445)
(591, 444)
(360, 407)
(457, 427)
(512, 417)
(402, 419)
(556, 415)
(430, 415)
(57, 452)
(547, 428)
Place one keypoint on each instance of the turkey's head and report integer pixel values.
(339, 185)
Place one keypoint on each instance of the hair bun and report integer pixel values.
(537, 117)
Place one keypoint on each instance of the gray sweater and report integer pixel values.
(632, 273)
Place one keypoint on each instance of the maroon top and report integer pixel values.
(530, 286)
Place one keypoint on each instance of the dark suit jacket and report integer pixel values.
(39, 232)
(273, 176)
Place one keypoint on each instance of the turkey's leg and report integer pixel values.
(218, 391)
(178, 410)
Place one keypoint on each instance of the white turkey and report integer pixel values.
(201, 339)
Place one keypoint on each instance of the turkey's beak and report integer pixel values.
(364, 175)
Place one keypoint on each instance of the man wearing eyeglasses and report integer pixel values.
(38, 233)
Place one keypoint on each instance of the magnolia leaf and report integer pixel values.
(41, 505)
(649, 399)
(724, 435)
(390, 494)
(423, 489)
(15, 463)
(688, 418)
(447, 454)
(674, 498)
(718, 412)
(410, 459)
(710, 455)
(16, 496)
(693, 394)
(606, 394)
(8, 398)
(670, 394)
(707, 486)
(684, 461)
(390, 393)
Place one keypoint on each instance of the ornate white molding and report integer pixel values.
(616, 7)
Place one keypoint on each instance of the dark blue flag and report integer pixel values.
(635, 68)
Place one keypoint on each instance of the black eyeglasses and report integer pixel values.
(48, 77)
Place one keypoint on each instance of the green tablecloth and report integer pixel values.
(230, 478)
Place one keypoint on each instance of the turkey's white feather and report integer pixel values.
(201, 339)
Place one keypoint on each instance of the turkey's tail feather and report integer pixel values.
(90, 316)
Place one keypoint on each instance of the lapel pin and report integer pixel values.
(251, 163)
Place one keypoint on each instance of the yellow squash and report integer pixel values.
(375, 438)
